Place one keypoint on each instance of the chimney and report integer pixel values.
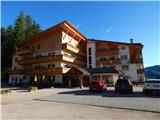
(131, 40)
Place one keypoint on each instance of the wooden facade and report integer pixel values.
(52, 43)
(65, 48)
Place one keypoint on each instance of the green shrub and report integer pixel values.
(110, 85)
(5, 91)
(32, 88)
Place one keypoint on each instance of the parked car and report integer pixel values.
(152, 86)
(97, 85)
(123, 85)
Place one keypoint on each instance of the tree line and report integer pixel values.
(23, 28)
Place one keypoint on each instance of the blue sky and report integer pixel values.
(115, 21)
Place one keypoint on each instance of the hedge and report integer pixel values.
(5, 91)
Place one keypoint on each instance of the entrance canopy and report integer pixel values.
(104, 70)
(81, 71)
(77, 71)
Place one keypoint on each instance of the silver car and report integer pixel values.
(152, 86)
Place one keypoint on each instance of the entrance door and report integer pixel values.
(86, 81)
(71, 81)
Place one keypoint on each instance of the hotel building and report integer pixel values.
(62, 54)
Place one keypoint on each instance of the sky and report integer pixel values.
(112, 21)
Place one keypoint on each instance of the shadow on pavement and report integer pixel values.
(108, 93)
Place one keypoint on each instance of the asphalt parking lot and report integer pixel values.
(136, 101)
(22, 105)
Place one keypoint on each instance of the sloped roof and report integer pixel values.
(97, 40)
(63, 26)
(104, 70)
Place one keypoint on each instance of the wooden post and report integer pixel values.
(81, 81)
(90, 78)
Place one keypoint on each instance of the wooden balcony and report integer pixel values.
(40, 59)
(139, 61)
(54, 70)
(106, 52)
(73, 60)
(16, 71)
(125, 61)
(140, 71)
(107, 62)
(23, 52)
(71, 49)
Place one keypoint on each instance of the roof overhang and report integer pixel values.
(63, 26)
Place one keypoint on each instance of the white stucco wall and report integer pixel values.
(91, 44)
(15, 64)
(68, 39)
(124, 52)
(131, 72)
(12, 78)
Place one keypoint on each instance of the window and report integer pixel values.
(35, 67)
(39, 66)
(123, 48)
(38, 46)
(66, 66)
(125, 67)
(90, 59)
(89, 49)
(111, 57)
(24, 77)
(90, 66)
(53, 65)
(16, 59)
(49, 66)
(124, 57)
(103, 58)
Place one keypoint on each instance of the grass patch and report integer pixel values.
(32, 88)
(5, 91)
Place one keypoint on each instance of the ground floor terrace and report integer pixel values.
(74, 78)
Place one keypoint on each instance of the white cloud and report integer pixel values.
(108, 30)
(147, 65)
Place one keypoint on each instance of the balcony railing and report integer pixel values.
(106, 52)
(140, 71)
(125, 61)
(40, 59)
(139, 61)
(107, 62)
(54, 70)
(73, 60)
(54, 58)
(16, 71)
(71, 48)
(22, 52)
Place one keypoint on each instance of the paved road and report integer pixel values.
(136, 101)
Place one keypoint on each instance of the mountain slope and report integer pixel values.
(152, 72)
